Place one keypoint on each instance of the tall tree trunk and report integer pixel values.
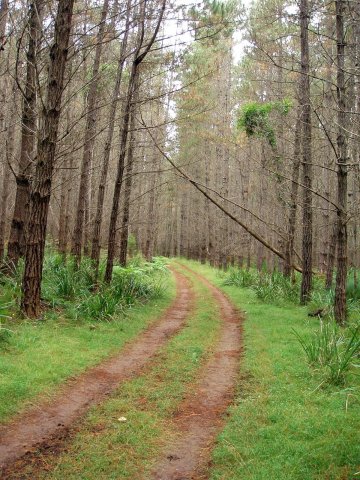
(289, 252)
(330, 261)
(41, 188)
(151, 211)
(307, 240)
(89, 138)
(124, 233)
(138, 58)
(63, 208)
(95, 250)
(342, 144)
(10, 131)
(17, 241)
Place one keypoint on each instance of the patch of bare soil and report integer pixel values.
(201, 415)
(47, 425)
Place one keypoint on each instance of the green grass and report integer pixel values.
(283, 426)
(37, 356)
(106, 448)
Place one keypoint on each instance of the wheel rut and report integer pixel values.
(45, 425)
(200, 416)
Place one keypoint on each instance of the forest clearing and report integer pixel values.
(179, 247)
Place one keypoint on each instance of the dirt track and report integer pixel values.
(42, 426)
(49, 426)
(201, 415)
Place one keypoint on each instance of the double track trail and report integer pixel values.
(201, 415)
(50, 425)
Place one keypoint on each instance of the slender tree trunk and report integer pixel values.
(17, 241)
(95, 250)
(289, 252)
(331, 258)
(124, 233)
(342, 144)
(41, 188)
(89, 139)
(63, 209)
(138, 58)
(119, 176)
(307, 240)
(6, 179)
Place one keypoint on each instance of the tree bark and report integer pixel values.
(17, 240)
(138, 58)
(95, 250)
(124, 233)
(89, 139)
(342, 144)
(305, 100)
(289, 251)
(4, 11)
(41, 188)
(10, 131)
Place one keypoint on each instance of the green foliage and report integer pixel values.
(276, 288)
(330, 350)
(333, 350)
(254, 119)
(74, 290)
(132, 245)
(5, 335)
(352, 288)
(63, 280)
(241, 277)
(269, 287)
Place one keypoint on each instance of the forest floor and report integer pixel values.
(182, 399)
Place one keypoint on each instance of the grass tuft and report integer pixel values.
(332, 349)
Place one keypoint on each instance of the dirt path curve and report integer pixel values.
(43, 425)
(200, 416)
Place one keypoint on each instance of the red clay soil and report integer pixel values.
(45, 425)
(200, 416)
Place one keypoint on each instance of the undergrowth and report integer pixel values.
(332, 350)
(75, 292)
(274, 287)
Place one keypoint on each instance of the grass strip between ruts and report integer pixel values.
(106, 448)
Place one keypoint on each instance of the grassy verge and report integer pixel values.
(282, 426)
(39, 355)
(107, 448)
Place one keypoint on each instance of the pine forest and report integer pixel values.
(180, 239)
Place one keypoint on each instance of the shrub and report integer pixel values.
(102, 305)
(241, 278)
(332, 350)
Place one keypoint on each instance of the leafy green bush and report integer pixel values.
(276, 288)
(74, 289)
(269, 287)
(241, 278)
(332, 350)
(5, 335)
(63, 280)
(254, 119)
(101, 305)
(352, 289)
